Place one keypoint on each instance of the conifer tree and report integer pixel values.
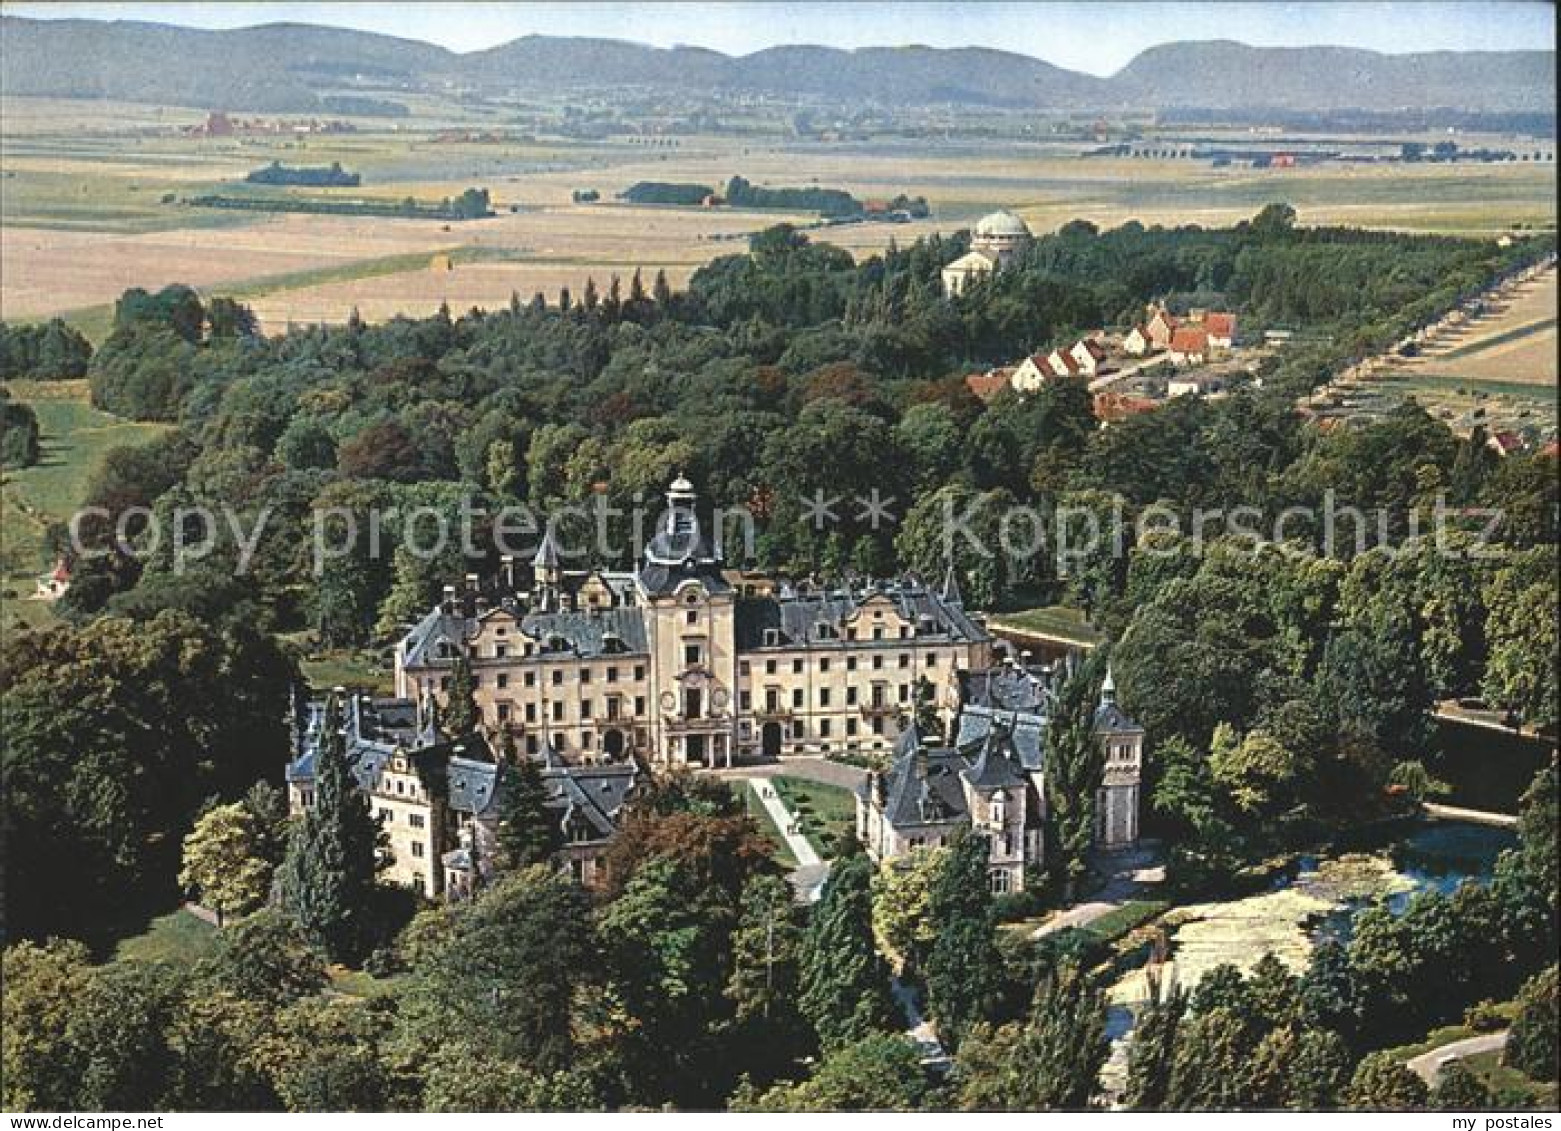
(964, 970)
(333, 855)
(1073, 772)
(661, 291)
(528, 834)
(845, 982)
(461, 715)
(1153, 1046)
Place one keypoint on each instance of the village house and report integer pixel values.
(986, 386)
(675, 663)
(1089, 356)
(1221, 328)
(1031, 373)
(992, 777)
(1189, 345)
(1159, 328)
(1137, 343)
(1196, 384)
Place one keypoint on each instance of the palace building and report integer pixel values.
(992, 778)
(438, 799)
(685, 662)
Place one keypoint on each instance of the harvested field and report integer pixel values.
(91, 206)
(1513, 342)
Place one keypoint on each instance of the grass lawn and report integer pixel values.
(1510, 1087)
(782, 852)
(74, 437)
(357, 983)
(1057, 621)
(347, 669)
(176, 937)
(1113, 925)
(827, 812)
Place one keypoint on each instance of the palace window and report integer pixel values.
(1000, 881)
(823, 697)
(692, 654)
(585, 675)
(797, 697)
(558, 712)
(796, 667)
(639, 671)
(415, 820)
(501, 680)
(417, 848)
(612, 675)
(558, 678)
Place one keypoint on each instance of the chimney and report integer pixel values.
(508, 561)
(448, 604)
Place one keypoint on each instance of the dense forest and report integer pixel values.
(1284, 688)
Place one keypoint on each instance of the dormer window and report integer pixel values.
(772, 638)
(824, 631)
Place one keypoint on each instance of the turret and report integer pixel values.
(546, 573)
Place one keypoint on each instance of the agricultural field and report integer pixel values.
(1513, 342)
(93, 192)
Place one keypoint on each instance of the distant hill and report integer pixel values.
(295, 67)
(279, 68)
(1224, 75)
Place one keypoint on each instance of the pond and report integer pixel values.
(1314, 901)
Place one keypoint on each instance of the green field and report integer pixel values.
(827, 812)
(1057, 621)
(75, 438)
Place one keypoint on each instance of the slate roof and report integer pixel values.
(597, 793)
(587, 631)
(1026, 733)
(1110, 717)
(797, 617)
(1007, 687)
(584, 632)
(937, 797)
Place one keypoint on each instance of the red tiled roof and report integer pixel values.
(1220, 325)
(1190, 340)
(1094, 349)
(1069, 362)
(1111, 407)
(987, 385)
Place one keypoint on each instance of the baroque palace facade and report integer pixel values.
(599, 675)
(682, 662)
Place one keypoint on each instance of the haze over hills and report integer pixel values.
(303, 68)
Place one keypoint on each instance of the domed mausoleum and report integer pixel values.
(998, 238)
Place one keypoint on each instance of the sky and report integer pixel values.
(1098, 38)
